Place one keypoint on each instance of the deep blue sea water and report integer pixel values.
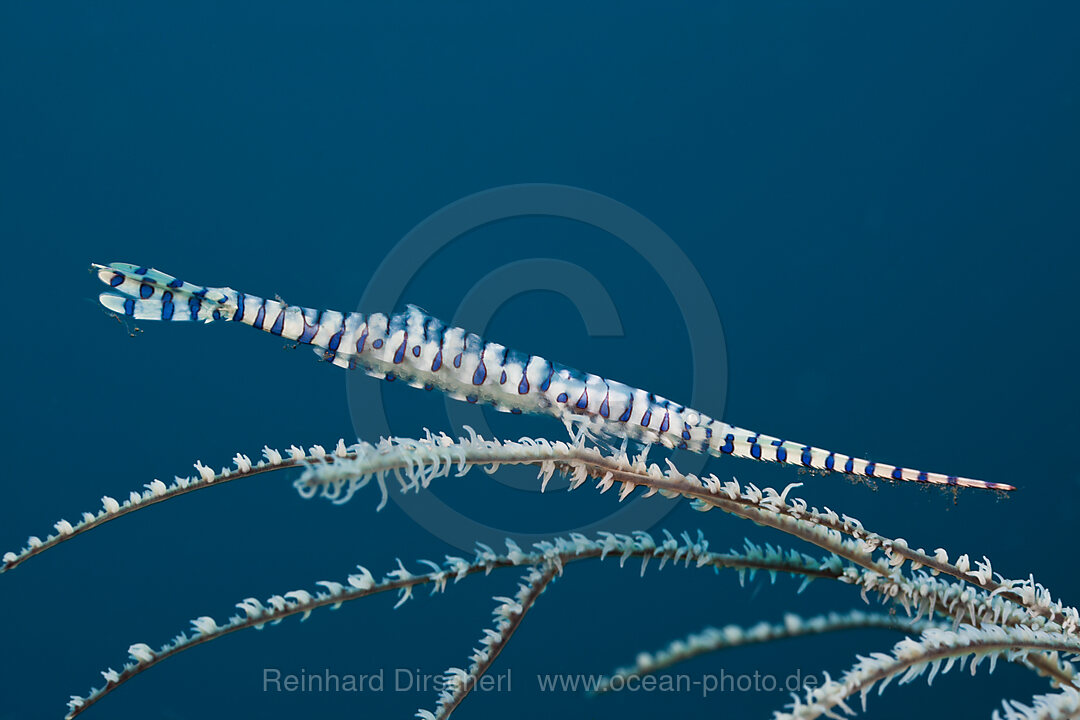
(881, 204)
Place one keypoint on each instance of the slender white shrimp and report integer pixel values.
(422, 351)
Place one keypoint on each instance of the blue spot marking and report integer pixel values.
(870, 469)
(923, 477)
(686, 432)
(194, 304)
(781, 454)
(807, 456)
(605, 409)
(729, 444)
(141, 270)
(515, 411)
(849, 466)
(547, 381)
(898, 474)
(416, 351)
(175, 283)
(216, 314)
(646, 418)
(129, 307)
(625, 417)
(239, 314)
(116, 280)
(583, 401)
(260, 316)
(708, 433)
(429, 387)
(523, 386)
(400, 354)
(665, 423)
(361, 341)
(502, 378)
(830, 461)
(377, 343)
(145, 291)
(310, 331)
(470, 398)
(480, 374)
(682, 445)
(335, 340)
(755, 451)
(562, 398)
(437, 362)
(391, 377)
(279, 324)
(167, 309)
(457, 360)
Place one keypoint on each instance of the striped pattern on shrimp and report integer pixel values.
(422, 351)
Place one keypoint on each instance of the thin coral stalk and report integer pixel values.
(825, 529)
(1064, 705)
(911, 658)
(437, 456)
(338, 475)
(508, 616)
(558, 552)
(713, 639)
(416, 463)
(156, 491)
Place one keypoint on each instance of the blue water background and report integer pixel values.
(882, 202)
